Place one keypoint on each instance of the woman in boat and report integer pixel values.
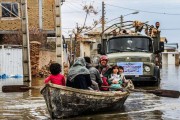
(114, 79)
(55, 77)
(94, 74)
(79, 75)
(103, 67)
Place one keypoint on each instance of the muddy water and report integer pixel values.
(139, 106)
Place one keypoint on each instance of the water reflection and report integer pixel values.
(139, 106)
(170, 75)
(22, 106)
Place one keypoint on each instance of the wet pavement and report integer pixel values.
(139, 106)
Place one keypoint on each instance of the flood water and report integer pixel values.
(139, 106)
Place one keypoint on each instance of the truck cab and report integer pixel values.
(136, 53)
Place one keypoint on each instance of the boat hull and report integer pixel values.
(65, 101)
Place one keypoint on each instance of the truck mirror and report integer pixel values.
(161, 46)
(99, 48)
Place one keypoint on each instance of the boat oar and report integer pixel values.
(157, 92)
(160, 92)
(17, 88)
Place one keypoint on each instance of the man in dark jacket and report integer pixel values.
(94, 74)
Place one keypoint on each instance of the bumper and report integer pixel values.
(142, 78)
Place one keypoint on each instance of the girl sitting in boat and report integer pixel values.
(55, 77)
(115, 80)
(121, 73)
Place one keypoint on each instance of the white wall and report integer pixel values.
(11, 61)
(171, 58)
(164, 58)
(84, 49)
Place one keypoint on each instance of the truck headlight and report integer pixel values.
(147, 68)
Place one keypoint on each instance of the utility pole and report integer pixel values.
(121, 20)
(40, 14)
(26, 46)
(71, 49)
(75, 41)
(59, 42)
(103, 24)
(103, 14)
(122, 17)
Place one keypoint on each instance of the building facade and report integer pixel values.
(41, 15)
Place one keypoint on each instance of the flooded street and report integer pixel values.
(139, 106)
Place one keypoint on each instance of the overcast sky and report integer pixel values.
(167, 12)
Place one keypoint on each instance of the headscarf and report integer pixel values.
(79, 67)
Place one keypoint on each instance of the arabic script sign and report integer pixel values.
(132, 68)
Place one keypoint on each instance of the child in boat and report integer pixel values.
(55, 77)
(121, 73)
(115, 80)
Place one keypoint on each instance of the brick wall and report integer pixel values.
(45, 57)
(34, 56)
(49, 14)
(33, 15)
(13, 24)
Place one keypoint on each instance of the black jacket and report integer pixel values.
(80, 82)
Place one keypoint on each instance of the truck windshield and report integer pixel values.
(133, 44)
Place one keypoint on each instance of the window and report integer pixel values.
(9, 9)
(128, 44)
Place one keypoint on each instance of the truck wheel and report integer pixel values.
(157, 75)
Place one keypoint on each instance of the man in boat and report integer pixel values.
(103, 67)
(94, 74)
(78, 75)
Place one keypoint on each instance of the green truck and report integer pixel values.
(139, 54)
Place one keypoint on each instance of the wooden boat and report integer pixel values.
(63, 101)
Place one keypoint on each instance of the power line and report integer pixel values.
(72, 7)
(68, 5)
(170, 29)
(143, 10)
(74, 1)
(76, 6)
(73, 12)
(67, 28)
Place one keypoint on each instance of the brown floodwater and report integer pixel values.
(139, 106)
